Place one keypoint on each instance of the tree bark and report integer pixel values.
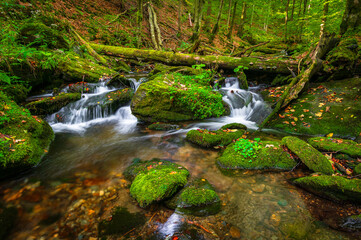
(216, 26)
(293, 10)
(198, 5)
(232, 21)
(154, 28)
(139, 22)
(179, 34)
(352, 16)
(229, 12)
(243, 19)
(286, 19)
(223, 62)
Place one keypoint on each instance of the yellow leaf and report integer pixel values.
(329, 135)
(319, 114)
(321, 105)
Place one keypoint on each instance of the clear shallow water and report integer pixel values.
(80, 181)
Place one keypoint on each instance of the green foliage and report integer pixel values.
(247, 148)
(237, 69)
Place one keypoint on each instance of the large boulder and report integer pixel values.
(338, 145)
(155, 180)
(209, 139)
(312, 158)
(24, 139)
(176, 97)
(269, 156)
(118, 98)
(328, 107)
(51, 105)
(332, 187)
(196, 198)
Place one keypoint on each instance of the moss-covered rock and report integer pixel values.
(312, 158)
(155, 180)
(270, 156)
(233, 126)
(51, 105)
(352, 223)
(121, 222)
(176, 97)
(208, 139)
(118, 98)
(24, 139)
(332, 187)
(162, 127)
(7, 220)
(348, 147)
(196, 198)
(329, 107)
(357, 169)
(16, 92)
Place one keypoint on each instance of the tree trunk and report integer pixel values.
(198, 5)
(293, 10)
(303, 19)
(232, 21)
(250, 26)
(223, 62)
(179, 34)
(243, 19)
(154, 28)
(216, 26)
(139, 22)
(352, 16)
(229, 13)
(286, 19)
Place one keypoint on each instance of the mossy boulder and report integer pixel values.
(7, 220)
(118, 98)
(16, 92)
(332, 187)
(24, 139)
(233, 126)
(209, 139)
(270, 156)
(176, 97)
(196, 198)
(339, 145)
(121, 222)
(312, 158)
(162, 127)
(357, 169)
(51, 105)
(352, 223)
(328, 107)
(155, 180)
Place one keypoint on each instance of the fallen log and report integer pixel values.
(222, 62)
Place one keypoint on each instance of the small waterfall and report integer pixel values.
(80, 115)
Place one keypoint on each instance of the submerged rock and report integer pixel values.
(155, 180)
(196, 198)
(7, 220)
(51, 105)
(352, 223)
(162, 127)
(208, 139)
(312, 158)
(121, 222)
(332, 187)
(270, 156)
(339, 145)
(176, 97)
(24, 139)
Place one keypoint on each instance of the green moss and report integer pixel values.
(357, 169)
(121, 222)
(332, 187)
(348, 147)
(157, 184)
(196, 198)
(162, 127)
(7, 220)
(51, 105)
(175, 97)
(24, 139)
(270, 156)
(118, 98)
(16, 92)
(336, 103)
(233, 126)
(208, 139)
(312, 158)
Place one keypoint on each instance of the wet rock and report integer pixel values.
(208, 139)
(233, 126)
(269, 156)
(115, 100)
(235, 232)
(352, 223)
(155, 180)
(312, 158)
(297, 230)
(162, 127)
(332, 187)
(196, 198)
(121, 222)
(339, 145)
(260, 188)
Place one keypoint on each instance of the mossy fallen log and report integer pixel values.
(224, 62)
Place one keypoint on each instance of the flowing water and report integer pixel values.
(80, 179)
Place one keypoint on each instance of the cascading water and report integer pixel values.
(89, 110)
